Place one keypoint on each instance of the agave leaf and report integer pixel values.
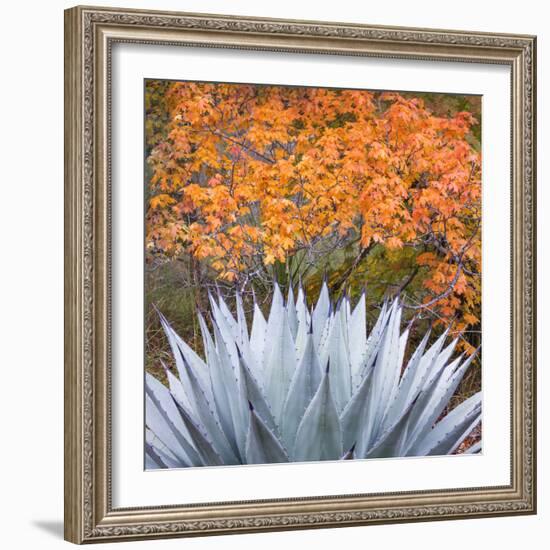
(320, 315)
(395, 378)
(164, 453)
(356, 424)
(219, 386)
(419, 380)
(226, 374)
(423, 375)
(337, 349)
(156, 423)
(303, 386)
(241, 319)
(176, 387)
(262, 446)
(224, 335)
(150, 464)
(180, 351)
(207, 341)
(304, 322)
(152, 459)
(374, 341)
(156, 458)
(162, 394)
(301, 307)
(292, 313)
(357, 337)
(162, 420)
(280, 368)
(392, 442)
(347, 307)
(386, 370)
(202, 444)
(226, 349)
(228, 316)
(228, 329)
(394, 383)
(449, 432)
(208, 419)
(301, 338)
(253, 394)
(349, 455)
(427, 393)
(274, 322)
(406, 392)
(319, 435)
(443, 357)
(244, 341)
(257, 338)
(474, 449)
(454, 439)
(323, 347)
(433, 401)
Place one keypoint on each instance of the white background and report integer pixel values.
(134, 487)
(32, 272)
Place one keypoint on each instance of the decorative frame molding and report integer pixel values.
(89, 35)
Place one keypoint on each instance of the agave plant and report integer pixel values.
(306, 385)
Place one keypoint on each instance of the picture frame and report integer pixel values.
(90, 36)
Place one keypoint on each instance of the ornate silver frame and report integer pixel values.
(89, 35)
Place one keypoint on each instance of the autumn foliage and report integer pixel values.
(248, 178)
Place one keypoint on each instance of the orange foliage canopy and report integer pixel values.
(250, 175)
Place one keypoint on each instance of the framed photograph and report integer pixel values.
(300, 274)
